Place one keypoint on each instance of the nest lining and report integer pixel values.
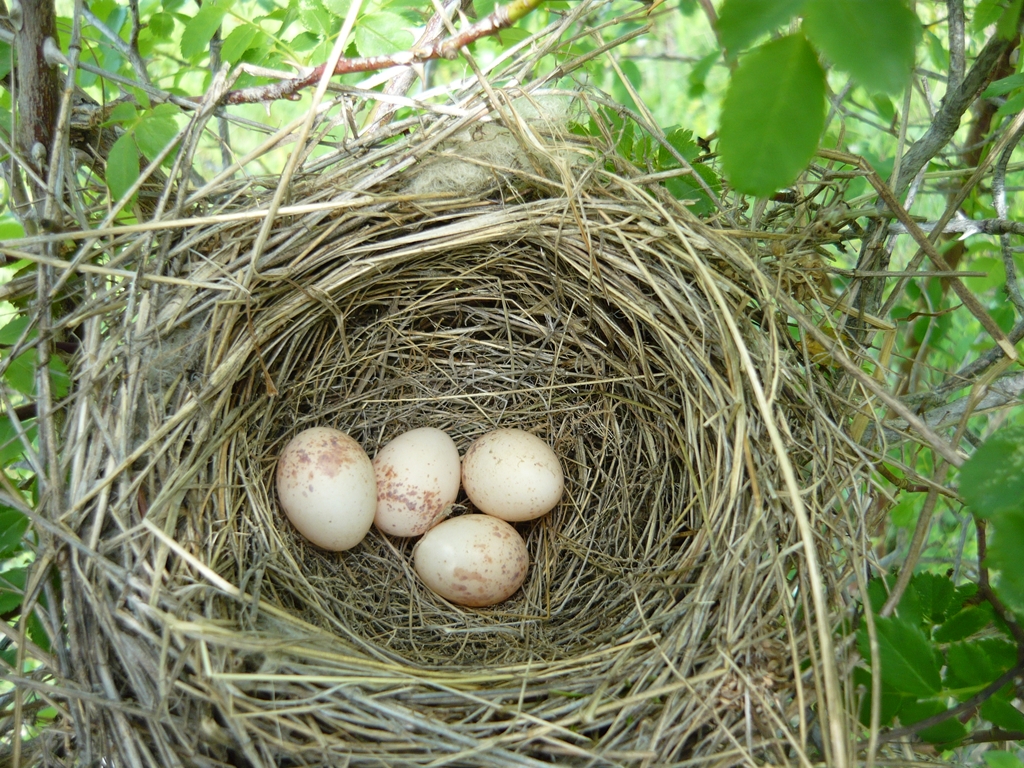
(595, 318)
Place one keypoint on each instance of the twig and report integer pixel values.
(127, 50)
(993, 734)
(928, 247)
(947, 120)
(924, 522)
(985, 589)
(1000, 226)
(956, 25)
(1003, 392)
(999, 199)
(965, 706)
(501, 18)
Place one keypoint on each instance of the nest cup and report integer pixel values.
(561, 298)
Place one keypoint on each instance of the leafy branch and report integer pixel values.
(500, 18)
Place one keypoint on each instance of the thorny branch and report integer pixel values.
(501, 18)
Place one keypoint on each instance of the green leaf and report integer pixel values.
(908, 661)
(986, 13)
(153, 133)
(21, 372)
(992, 480)
(997, 758)
(741, 22)
(13, 525)
(949, 731)
(681, 140)
(873, 41)
(1005, 548)
(60, 379)
(1004, 86)
(772, 116)
(1003, 714)
(11, 332)
(316, 18)
(688, 188)
(965, 623)
(200, 29)
(124, 112)
(978, 663)
(161, 25)
(11, 448)
(378, 34)
(12, 586)
(1006, 27)
(237, 42)
(935, 593)
(891, 699)
(122, 166)
(699, 74)
(1012, 105)
(5, 59)
(338, 7)
(883, 104)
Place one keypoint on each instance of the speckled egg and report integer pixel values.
(327, 488)
(472, 560)
(512, 474)
(418, 476)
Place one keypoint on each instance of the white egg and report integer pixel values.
(512, 474)
(327, 488)
(473, 560)
(418, 477)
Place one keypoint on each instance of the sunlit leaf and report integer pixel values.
(237, 42)
(122, 166)
(873, 41)
(316, 18)
(153, 133)
(199, 30)
(742, 22)
(998, 758)
(378, 34)
(21, 372)
(773, 115)
(161, 25)
(13, 330)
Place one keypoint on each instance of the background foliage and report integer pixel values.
(746, 92)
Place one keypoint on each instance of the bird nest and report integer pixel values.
(680, 599)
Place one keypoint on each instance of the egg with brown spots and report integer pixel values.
(512, 474)
(418, 477)
(472, 560)
(327, 488)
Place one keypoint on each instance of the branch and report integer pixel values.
(501, 18)
(127, 50)
(1001, 393)
(965, 706)
(37, 81)
(967, 226)
(947, 120)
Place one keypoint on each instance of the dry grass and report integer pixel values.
(674, 596)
